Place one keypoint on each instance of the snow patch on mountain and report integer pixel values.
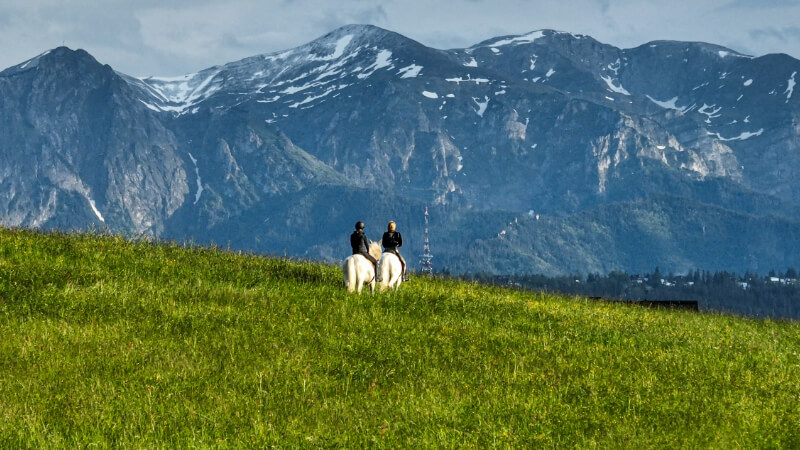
(34, 59)
(615, 66)
(328, 71)
(181, 89)
(790, 87)
(311, 98)
(611, 86)
(94, 208)
(184, 91)
(481, 105)
(150, 106)
(469, 79)
(709, 112)
(382, 59)
(668, 104)
(725, 54)
(199, 182)
(471, 63)
(341, 46)
(278, 56)
(411, 71)
(524, 39)
(743, 136)
(295, 89)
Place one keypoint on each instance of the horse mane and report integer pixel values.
(375, 250)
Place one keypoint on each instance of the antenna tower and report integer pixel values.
(425, 262)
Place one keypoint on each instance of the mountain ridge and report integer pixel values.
(546, 123)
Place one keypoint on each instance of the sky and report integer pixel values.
(175, 37)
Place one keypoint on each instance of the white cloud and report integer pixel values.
(151, 37)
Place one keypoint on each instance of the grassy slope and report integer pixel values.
(110, 342)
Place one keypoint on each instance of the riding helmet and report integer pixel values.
(359, 225)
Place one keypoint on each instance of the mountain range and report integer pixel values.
(548, 152)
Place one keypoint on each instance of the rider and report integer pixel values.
(360, 244)
(391, 241)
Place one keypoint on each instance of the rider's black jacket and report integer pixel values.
(391, 240)
(359, 243)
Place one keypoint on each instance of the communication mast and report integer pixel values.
(425, 262)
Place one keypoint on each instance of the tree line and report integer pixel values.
(776, 295)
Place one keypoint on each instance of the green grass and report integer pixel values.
(111, 343)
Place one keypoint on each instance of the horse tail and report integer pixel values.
(385, 268)
(391, 272)
(349, 270)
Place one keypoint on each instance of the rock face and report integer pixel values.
(79, 149)
(548, 152)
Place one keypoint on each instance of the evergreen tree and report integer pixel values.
(655, 278)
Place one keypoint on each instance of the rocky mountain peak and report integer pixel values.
(62, 59)
(362, 31)
(667, 47)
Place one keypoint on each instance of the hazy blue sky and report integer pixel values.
(165, 38)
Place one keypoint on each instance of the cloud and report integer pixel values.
(759, 4)
(211, 33)
(335, 17)
(375, 15)
(93, 25)
(785, 34)
(153, 37)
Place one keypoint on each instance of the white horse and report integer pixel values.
(359, 270)
(391, 271)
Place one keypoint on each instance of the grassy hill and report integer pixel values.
(116, 343)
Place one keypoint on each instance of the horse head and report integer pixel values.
(375, 250)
